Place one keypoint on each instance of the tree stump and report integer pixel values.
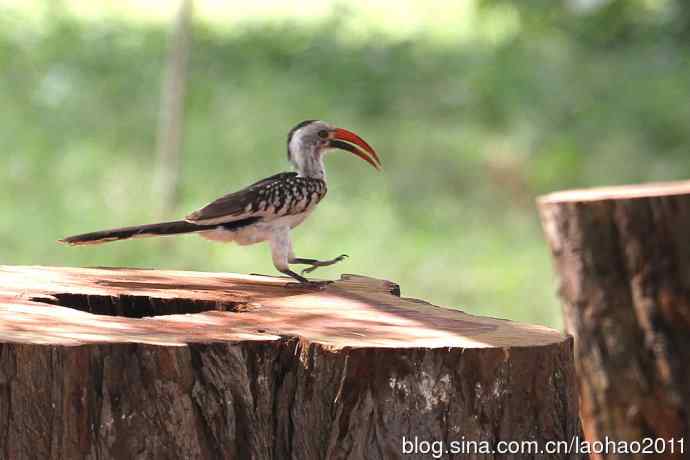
(143, 364)
(623, 256)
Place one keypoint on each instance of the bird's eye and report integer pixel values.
(323, 134)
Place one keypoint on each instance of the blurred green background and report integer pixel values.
(476, 108)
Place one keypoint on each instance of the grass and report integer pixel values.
(469, 136)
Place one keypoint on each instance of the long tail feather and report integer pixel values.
(138, 231)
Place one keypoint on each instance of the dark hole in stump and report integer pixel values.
(132, 306)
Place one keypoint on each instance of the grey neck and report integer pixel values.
(309, 164)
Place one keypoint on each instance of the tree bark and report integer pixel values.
(623, 257)
(143, 364)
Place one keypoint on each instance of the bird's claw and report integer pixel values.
(326, 263)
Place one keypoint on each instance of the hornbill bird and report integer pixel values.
(266, 210)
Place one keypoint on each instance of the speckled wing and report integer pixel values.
(275, 196)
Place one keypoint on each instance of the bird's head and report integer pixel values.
(309, 140)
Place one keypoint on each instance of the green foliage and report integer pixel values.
(469, 135)
(603, 23)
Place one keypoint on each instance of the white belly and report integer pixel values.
(255, 233)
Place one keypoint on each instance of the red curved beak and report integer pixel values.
(347, 140)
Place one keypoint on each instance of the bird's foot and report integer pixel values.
(312, 285)
(303, 282)
(324, 263)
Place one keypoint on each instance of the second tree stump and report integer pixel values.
(623, 256)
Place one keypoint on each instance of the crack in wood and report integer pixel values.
(135, 306)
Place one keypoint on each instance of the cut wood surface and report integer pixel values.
(355, 311)
(623, 257)
(126, 363)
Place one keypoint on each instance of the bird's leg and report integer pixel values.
(281, 251)
(316, 263)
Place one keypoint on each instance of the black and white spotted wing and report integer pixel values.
(276, 196)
